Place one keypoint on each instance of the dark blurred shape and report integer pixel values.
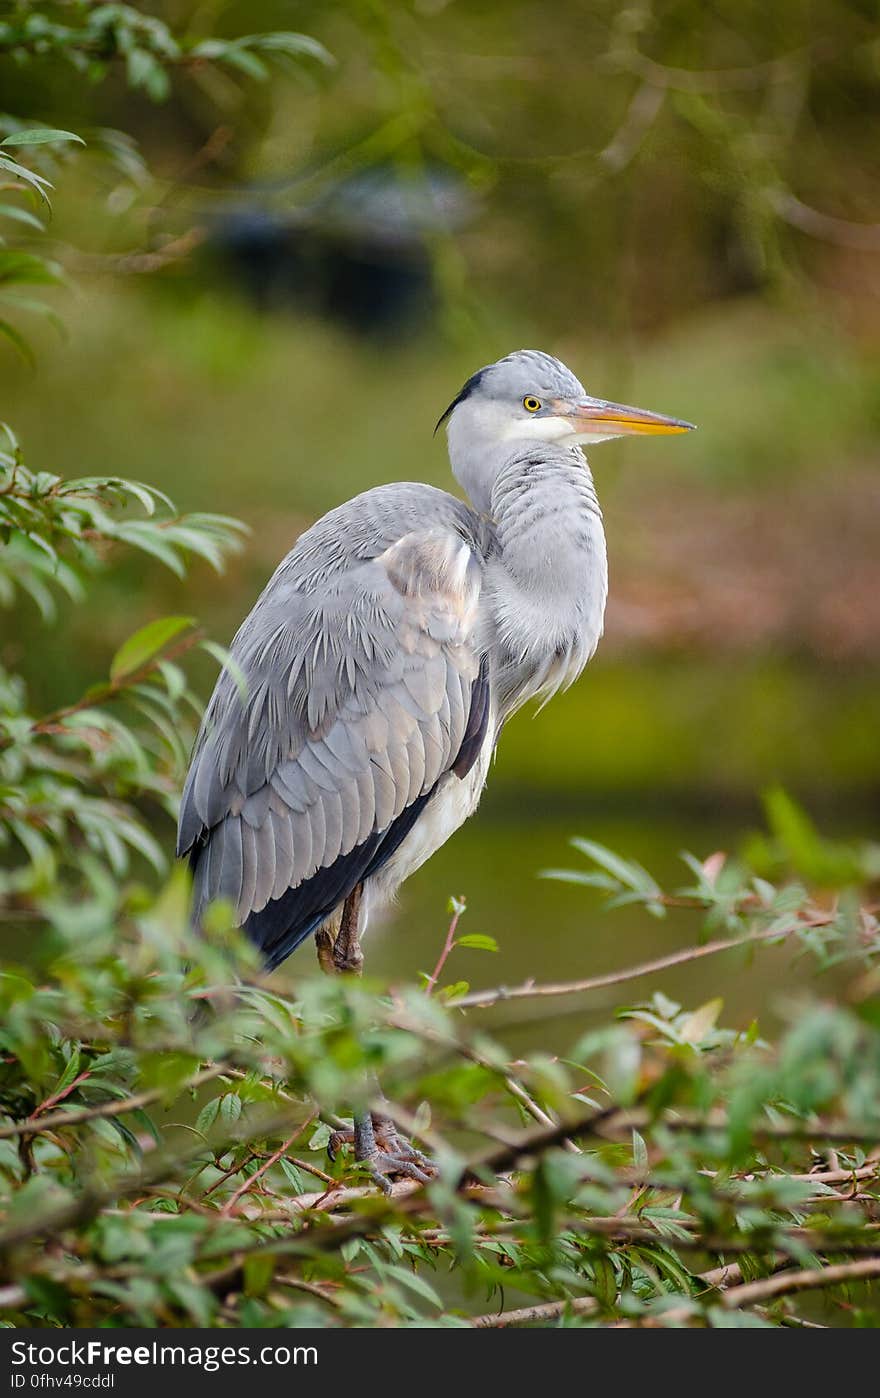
(359, 254)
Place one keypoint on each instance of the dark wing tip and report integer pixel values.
(285, 922)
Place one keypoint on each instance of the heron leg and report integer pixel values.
(347, 953)
(378, 1144)
(338, 943)
(325, 938)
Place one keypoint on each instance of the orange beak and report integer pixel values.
(597, 419)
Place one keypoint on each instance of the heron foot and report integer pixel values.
(383, 1151)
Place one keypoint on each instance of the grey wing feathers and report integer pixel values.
(360, 688)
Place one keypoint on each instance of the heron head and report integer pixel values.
(530, 397)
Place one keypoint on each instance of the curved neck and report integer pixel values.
(548, 521)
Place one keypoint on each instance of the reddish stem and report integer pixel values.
(447, 947)
(58, 1096)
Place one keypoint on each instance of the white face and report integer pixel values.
(557, 428)
(536, 427)
(553, 421)
(494, 420)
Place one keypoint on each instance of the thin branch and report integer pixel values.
(57, 1097)
(516, 1090)
(526, 1315)
(613, 1121)
(845, 232)
(312, 1169)
(114, 688)
(586, 1305)
(529, 990)
(298, 1284)
(447, 946)
(251, 1180)
(641, 114)
(142, 261)
(751, 1293)
(825, 1131)
(711, 80)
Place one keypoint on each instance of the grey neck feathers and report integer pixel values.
(547, 579)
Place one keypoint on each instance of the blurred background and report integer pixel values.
(276, 293)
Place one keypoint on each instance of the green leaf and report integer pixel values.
(208, 1115)
(17, 340)
(477, 941)
(258, 1271)
(143, 535)
(627, 872)
(21, 172)
(33, 307)
(22, 216)
(415, 1283)
(25, 268)
(40, 136)
(320, 1136)
(230, 1108)
(640, 1152)
(291, 44)
(452, 992)
(147, 643)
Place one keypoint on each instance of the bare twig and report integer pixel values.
(142, 261)
(312, 1170)
(481, 999)
(862, 237)
(248, 1184)
(711, 80)
(583, 1305)
(312, 1288)
(640, 116)
(860, 1269)
(526, 1315)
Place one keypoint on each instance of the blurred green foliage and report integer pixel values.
(175, 1161)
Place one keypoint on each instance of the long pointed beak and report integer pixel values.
(597, 418)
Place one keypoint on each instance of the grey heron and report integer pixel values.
(382, 660)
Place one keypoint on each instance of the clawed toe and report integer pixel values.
(384, 1165)
(343, 1137)
(382, 1151)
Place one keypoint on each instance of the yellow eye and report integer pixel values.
(531, 405)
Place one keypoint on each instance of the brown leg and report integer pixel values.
(325, 941)
(347, 954)
(338, 941)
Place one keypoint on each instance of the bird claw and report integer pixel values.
(385, 1164)
(382, 1151)
(338, 1139)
